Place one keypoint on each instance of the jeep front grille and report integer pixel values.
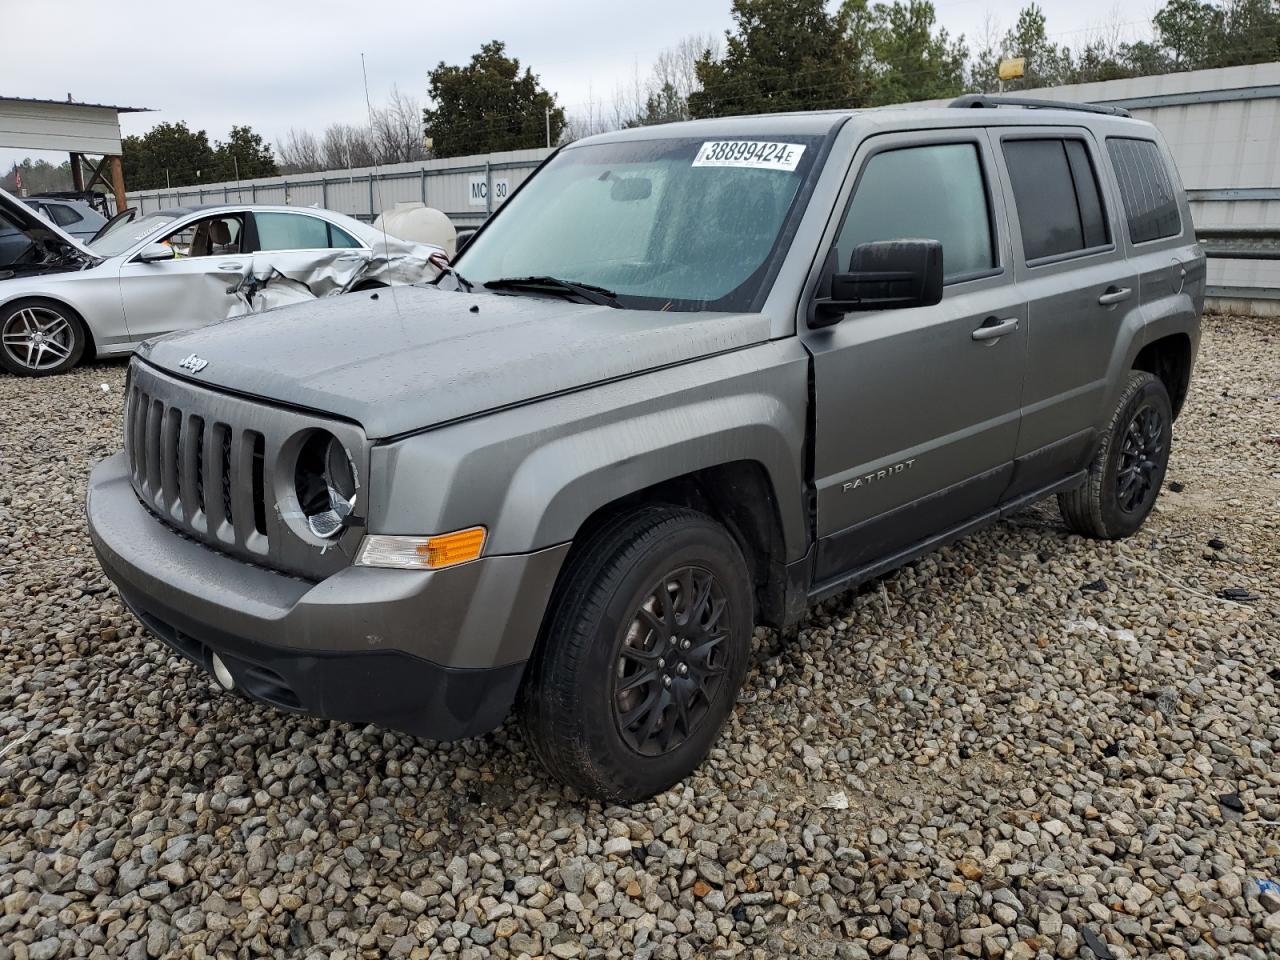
(210, 465)
(176, 463)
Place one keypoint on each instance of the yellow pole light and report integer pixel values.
(421, 553)
(1013, 68)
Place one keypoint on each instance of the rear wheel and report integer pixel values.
(1129, 467)
(39, 337)
(645, 652)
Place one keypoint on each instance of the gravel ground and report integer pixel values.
(1026, 745)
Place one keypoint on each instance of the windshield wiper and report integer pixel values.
(587, 291)
(446, 270)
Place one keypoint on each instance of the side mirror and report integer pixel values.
(884, 275)
(155, 252)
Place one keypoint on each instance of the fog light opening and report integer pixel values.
(222, 674)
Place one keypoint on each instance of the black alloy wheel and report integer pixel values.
(645, 647)
(1142, 457)
(1128, 467)
(670, 662)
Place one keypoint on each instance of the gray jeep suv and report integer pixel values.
(688, 379)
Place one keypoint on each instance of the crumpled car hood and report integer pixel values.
(406, 358)
(263, 286)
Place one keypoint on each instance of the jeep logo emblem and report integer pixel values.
(193, 363)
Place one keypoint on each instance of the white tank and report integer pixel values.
(419, 223)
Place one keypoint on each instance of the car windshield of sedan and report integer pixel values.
(125, 234)
(670, 224)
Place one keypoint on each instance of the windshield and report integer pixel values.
(676, 224)
(126, 233)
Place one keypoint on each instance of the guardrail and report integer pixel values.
(1240, 243)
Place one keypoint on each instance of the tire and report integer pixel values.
(1129, 467)
(39, 338)
(582, 701)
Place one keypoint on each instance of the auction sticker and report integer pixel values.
(756, 154)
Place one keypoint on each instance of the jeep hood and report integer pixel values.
(405, 358)
(51, 245)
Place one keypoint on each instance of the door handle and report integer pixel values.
(993, 328)
(228, 266)
(1115, 295)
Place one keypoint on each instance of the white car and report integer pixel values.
(62, 300)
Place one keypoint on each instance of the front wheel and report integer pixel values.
(1129, 467)
(39, 337)
(644, 654)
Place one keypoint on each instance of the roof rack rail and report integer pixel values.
(981, 100)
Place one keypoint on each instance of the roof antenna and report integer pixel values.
(377, 176)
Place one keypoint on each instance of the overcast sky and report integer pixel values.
(296, 63)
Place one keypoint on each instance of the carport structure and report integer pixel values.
(84, 130)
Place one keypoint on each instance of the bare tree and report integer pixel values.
(397, 129)
(673, 78)
(346, 145)
(300, 152)
(984, 60)
(591, 117)
(660, 97)
(677, 66)
(629, 98)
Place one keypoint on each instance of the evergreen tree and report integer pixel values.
(244, 151)
(664, 105)
(914, 59)
(782, 55)
(489, 105)
(169, 154)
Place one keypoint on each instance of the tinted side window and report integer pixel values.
(1055, 190)
(924, 193)
(340, 238)
(63, 216)
(1093, 219)
(291, 231)
(1150, 206)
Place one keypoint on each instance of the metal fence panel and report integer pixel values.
(366, 191)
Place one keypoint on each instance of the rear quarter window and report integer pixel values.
(1056, 195)
(1150, 203)
(63, 216)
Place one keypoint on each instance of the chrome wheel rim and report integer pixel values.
(1141, 458)
(37, 338)
(671, 661)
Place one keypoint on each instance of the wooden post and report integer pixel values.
(77, 173)
(117, 184)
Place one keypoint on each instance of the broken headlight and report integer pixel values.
(325, 482)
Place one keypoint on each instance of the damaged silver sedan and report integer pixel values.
(62, 300)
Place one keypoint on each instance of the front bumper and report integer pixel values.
(437, 654)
